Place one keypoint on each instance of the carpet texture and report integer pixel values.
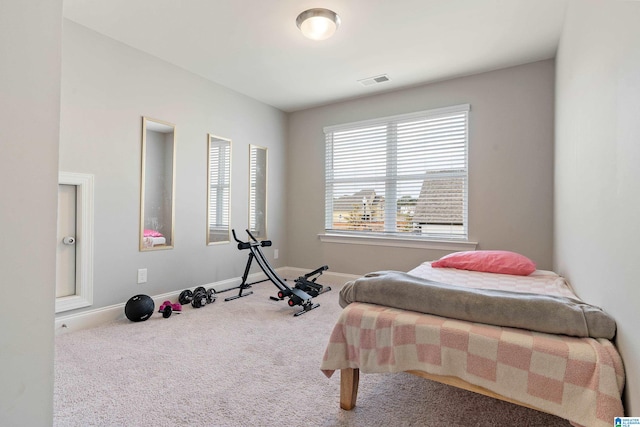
(246, 362)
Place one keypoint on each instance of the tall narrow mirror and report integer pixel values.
(258, 191)
(219, 189)
(157, 187)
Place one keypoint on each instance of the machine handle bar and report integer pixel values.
(246, 245)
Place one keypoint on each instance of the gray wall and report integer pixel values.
(597, 190)
(106, 89)
(510, 167)
(30, 51)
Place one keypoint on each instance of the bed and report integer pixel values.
(153, 238)
(578, 378)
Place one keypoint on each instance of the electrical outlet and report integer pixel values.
(142, 275)
(275, 254)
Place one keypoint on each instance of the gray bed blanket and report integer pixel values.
(542, 313)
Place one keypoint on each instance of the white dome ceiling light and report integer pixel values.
(318, 24)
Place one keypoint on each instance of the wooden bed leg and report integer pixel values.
(349, 379)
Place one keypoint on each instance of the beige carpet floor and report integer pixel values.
(247, 362)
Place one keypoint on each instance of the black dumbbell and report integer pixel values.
(211, 295)
(185, 297)
(198, 298)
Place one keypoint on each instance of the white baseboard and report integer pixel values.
(92, 318)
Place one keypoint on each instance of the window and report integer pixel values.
(219, 185)
(403, 175)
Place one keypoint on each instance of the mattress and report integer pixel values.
(579, 379)
(540, 281)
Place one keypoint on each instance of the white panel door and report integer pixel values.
(66, 248)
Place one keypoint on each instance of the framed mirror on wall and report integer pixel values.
(218, 189)
(258, 191)
(157, 185)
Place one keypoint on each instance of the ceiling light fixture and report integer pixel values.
(318, 24)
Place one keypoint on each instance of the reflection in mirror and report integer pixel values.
(157, 185)
(258, 191)
(219, 187)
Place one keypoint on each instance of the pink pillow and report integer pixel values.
(503, 262)
(152, 233)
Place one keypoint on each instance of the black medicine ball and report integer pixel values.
(139, 308)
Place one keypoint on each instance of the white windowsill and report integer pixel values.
(399, 242)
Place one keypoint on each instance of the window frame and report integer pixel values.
(443, 241)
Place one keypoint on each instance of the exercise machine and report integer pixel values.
(301, 294)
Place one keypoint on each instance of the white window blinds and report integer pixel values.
(402, 175)
(219, 186)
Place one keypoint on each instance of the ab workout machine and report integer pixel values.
(301, 294)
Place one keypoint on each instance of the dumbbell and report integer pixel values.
(198, 298)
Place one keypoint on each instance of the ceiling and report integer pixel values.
(255, 48)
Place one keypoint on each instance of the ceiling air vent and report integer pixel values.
(374, 80)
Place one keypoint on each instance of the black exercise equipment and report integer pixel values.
(310, 286)
(139, 308)
(166, 311)
(167, 308)
(199, 297)
(301, 294)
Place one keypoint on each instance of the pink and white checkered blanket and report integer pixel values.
(579, 379)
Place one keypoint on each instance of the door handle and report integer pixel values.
(69, 240)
